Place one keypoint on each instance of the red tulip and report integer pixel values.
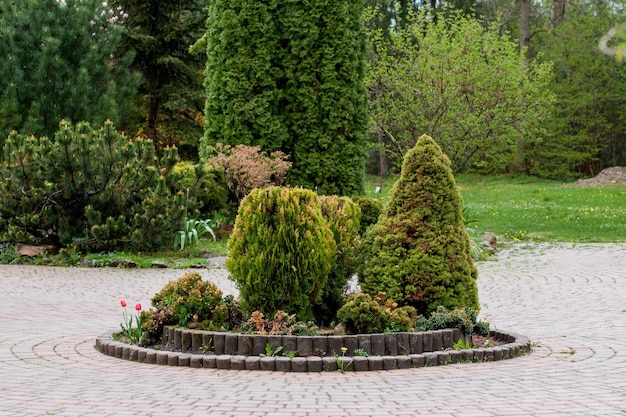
(138, 307)
(123, 303)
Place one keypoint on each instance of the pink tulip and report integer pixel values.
(123, 303)
(138, 307)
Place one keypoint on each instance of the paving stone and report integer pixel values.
(568, 299)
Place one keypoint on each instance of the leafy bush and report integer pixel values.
(246, 167)
(419, 251)
(191, 299)
(463, 319)
(343, 217)
(364, 314)
(281, 251)
(188, 299)
(95, 188)
(371, 209)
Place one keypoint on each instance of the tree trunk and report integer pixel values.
(558, 10)
(153, 119)
(383, 161)
(524, 26)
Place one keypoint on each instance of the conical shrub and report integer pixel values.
(419, 251)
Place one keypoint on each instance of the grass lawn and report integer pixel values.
(526, 208)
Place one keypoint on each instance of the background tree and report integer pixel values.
(288, 75)
(160, 32)
(60, 62)
(466, 86)
(587, 131)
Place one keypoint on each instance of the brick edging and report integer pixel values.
(516, 345)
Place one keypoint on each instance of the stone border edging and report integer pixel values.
(516, 345)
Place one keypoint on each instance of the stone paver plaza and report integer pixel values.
(569, 299)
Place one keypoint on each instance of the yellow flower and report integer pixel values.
(344, 349)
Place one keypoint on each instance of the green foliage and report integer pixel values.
(288, 76)
(191, 299)
(586, 129)
(371, 209)
(159, 33)
(343, 217)
(462, 319)
(192, 232)
(208, 186)
(59, 61)
(363, 314)
(419, 251)
(235, 314)
(56, 191)
(466, 86)
(281, 251)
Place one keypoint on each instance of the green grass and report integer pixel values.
(526, 208)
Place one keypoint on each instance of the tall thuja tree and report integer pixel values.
(419, 251)
(288, 75)
(60, 62)
(160, 32)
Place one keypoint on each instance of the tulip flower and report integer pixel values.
(138, 307)
(123, 303)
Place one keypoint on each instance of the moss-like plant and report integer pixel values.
(419, 251)
(281, 251)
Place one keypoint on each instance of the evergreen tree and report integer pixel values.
(160, 32)
(419, 251)
(288, 75)
(59, 62)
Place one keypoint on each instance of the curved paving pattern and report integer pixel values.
(569, 299)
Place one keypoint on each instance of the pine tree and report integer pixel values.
(289, 76)
(419, 251)
(160, 33)
(59, 63)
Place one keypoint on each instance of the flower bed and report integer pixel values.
(363, 352)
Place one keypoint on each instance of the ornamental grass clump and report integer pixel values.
(419, 251)
(281, 252)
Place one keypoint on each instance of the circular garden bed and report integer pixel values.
(363, 352)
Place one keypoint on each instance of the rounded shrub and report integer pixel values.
(371, 209)
(419, 251)
(364, 314)
(343, 217)
(188, 299)
(281, 251)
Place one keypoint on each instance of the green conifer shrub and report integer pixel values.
(419, 251)
(371, 209)
(281, 251)
(343, 217)
(93, 188)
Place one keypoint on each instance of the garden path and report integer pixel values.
(569, 299)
